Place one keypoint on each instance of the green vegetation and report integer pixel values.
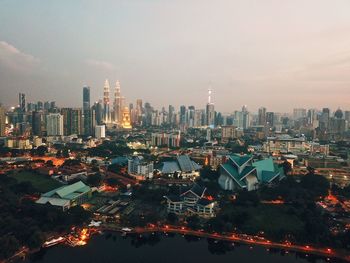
(110, 149)
(147, 194)
(295, 218)
(94, 179)
(24, 223)
(311, 188)
(42, 183)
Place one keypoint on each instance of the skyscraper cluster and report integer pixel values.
(113, 112)
(46, 119)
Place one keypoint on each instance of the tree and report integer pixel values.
(172, 218)
(49, 163)
(247, 197)
(41, 150)
(36, 239)
(193, 222)
(112, 181)
(316, 185)
(23, 188)
(94, 179)
(287, 167)
(9, 245)
(65, 153)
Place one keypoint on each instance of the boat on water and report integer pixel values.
(54, 242)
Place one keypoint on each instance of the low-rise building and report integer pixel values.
(183, 166)
(192, 201)
(67, 196)
(139, 167)
(240, 172)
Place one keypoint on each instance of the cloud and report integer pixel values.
(14, 59)
(101, 64)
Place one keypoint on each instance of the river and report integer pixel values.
(170, 248)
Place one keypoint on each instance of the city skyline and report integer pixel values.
(167, 48)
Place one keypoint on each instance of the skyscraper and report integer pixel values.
(299, 113)
(106, 111)
(270, 119)
(86, 98)
(54, 124)
(183, 113)
(2, 121)
(76, 118)
(191, 115)
(98, 109)
(210, 111)
(139, 111)
(72, 121)
(117, 103)
(262, 116)
(87, 112)
(36, 123)
(324, 119)
(22, 102)
(171, 114)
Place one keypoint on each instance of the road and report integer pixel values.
(244, 239)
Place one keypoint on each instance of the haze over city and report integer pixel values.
(174, 130)
(277, 54)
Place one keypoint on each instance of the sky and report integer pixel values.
(272, 53)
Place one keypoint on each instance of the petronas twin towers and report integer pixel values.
(113, 114)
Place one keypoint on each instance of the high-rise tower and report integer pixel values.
(22, 102)
(86, 98)
(2, 121)
(87, 116)
(210, 111)
(106, 112)
(117, 103)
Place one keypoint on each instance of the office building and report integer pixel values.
(270, 119)
(22, 102)
(36, 123)
(210, 111)
(87, 113)
(72, 121)
(166, 139)
(100, 131)
(54, 124)
(2, 121)
(106, 103)
(299, 113)
(262, 116)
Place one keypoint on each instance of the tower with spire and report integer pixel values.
(117, 102)
(210, 111)
(106, 110)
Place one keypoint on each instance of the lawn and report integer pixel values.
(41, 182)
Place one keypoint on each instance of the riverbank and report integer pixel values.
(240, 238)
(168, 247)
(82, 238)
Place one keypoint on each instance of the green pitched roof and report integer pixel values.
(267, 170)
(267, 176)
(240, 159)
(69, 191)
(233, 172)
(265, 165)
